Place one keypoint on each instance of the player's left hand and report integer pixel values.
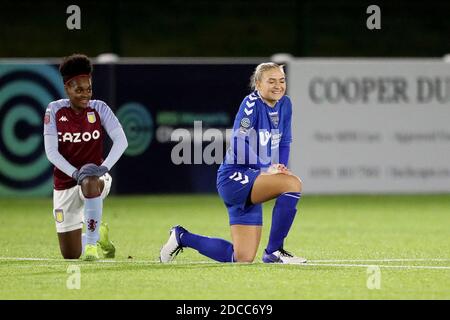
(283, 169)
(75, 174)
(91, 170)
(279, 168)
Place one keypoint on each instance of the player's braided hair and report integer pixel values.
(260, 69)
(74, 65)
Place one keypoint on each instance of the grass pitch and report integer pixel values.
(359, 247)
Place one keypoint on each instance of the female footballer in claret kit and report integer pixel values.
(254, 171)
(74, 133)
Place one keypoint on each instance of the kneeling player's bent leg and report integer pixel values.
(68, 216)
(283, 215)
(92, 191)
(246, 241)
(92, 188)
(287, 189)
(68, 213)
(267, 187)
(70, 244)
(245, 218)
(214, 248)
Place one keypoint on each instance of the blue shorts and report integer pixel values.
(234, 186)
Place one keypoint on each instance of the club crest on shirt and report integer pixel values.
(274, 118)
(59, 215)
(47, 117)
(91, 117)
(245, 123)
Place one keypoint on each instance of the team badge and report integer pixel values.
(47, 117)
(245, 123)
(59, 215)
(91, 117)
(91, 225)
(274, 118)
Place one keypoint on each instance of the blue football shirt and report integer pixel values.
(258, 132)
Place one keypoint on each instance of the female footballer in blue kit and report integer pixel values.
(254, 171)
(73, 138)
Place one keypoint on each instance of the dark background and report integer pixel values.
(225, 28)
(199, 89)
(244, 33)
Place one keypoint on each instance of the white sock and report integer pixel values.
(83, 242)
(92, 218)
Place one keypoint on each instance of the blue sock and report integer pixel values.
(92, 218)
(214, 248)
(283, 215)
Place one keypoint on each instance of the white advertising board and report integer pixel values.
(371, 126)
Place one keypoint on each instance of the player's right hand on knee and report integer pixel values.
(89, 170)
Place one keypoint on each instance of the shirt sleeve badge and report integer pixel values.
(47, 117)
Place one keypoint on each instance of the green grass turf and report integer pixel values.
(326, 228)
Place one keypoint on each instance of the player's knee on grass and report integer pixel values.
(70, 244)
(243, 257)
(91, 187)
(70, 253)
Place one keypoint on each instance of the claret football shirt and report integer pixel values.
(80, 135)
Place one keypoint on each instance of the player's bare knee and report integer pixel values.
(244, 257)
(71, 254)
(90, 186)
(90, 182)
(292, 184)
(299, 183)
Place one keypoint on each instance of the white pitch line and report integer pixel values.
(371, 265)
(103, 261)
(379, 260)
(309, 264)
(156, 261)
(339, 265)
(75, 260)
(33, 259)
